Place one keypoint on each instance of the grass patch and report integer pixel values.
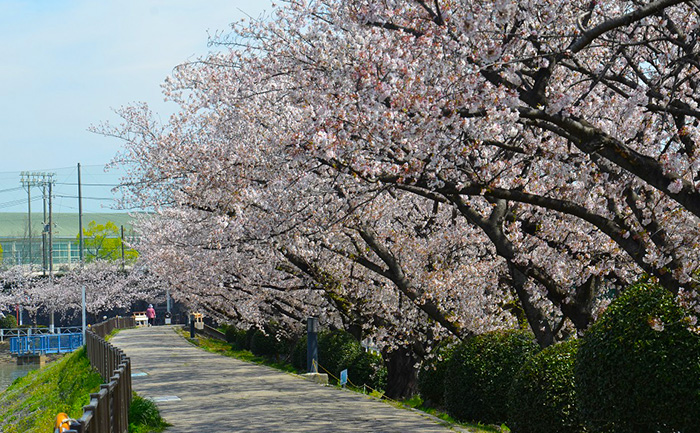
(223, 348)
(144, 416)
(416, 402)
(112, 334)
(32, 402)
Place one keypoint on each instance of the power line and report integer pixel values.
(86, 184)
(48, 169)
(17, 188)
(17, 202)
(85, 198)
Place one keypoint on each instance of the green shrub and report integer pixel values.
(480, 373)
(299, 354)
(236, 337)
(431, 376)
(542, 397)
(337, 351)
(264, 345)
(246, 340)
(380, 375)
(638, 367)
(367, 369)
(8, 322)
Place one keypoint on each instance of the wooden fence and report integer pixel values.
(108, 410)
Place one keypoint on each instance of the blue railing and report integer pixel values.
(47, 343)
(7, 333)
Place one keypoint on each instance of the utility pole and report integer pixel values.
(29, 226)
(28, 180)
(50, 228)
(50, 177)
(47, 180)
(122, 242)
(45, 230)
(80, 216)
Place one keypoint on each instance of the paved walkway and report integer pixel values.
(198, 391)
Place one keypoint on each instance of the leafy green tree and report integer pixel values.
(103, 242)
(8, 322)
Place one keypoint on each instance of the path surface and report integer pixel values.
(217, 394)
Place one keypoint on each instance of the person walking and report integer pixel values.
(151, 315)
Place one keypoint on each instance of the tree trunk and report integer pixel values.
(402, 375)
(356, 331)
(535, 318)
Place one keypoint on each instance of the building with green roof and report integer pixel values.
(20, 246)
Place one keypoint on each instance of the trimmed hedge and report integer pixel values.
(262, 344)
(299, 354)
(258, 342)
(638, 367)
(480, 374)
(337, 351)
(542, 397)
(236, 337)
(431, 376)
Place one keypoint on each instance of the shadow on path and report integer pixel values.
(218, 394)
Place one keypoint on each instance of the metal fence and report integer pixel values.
(108, 410)
(24, 332)
(208, 331)
(47, 343)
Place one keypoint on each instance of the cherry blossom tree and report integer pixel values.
(248, 234)
(107, 286)
(285, 256)
(562, 119)
(400, 163)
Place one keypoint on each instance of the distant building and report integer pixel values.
(18, 249)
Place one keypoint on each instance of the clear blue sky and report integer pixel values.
(68, 63)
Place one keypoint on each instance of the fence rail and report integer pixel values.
(208, 331)
(108, 410)
(25, 332)
(48, 343)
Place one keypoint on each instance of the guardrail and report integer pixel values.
(25, 332)
(208, 331)
(108, 410)
(48, 343)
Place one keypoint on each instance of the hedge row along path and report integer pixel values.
(218, 394)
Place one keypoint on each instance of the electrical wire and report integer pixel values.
(86, 198)
(16, 202)
(86, 184)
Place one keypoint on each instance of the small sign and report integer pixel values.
(344, 377)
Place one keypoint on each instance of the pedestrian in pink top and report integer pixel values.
(151, 315)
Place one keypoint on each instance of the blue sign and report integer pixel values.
(344, 377)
